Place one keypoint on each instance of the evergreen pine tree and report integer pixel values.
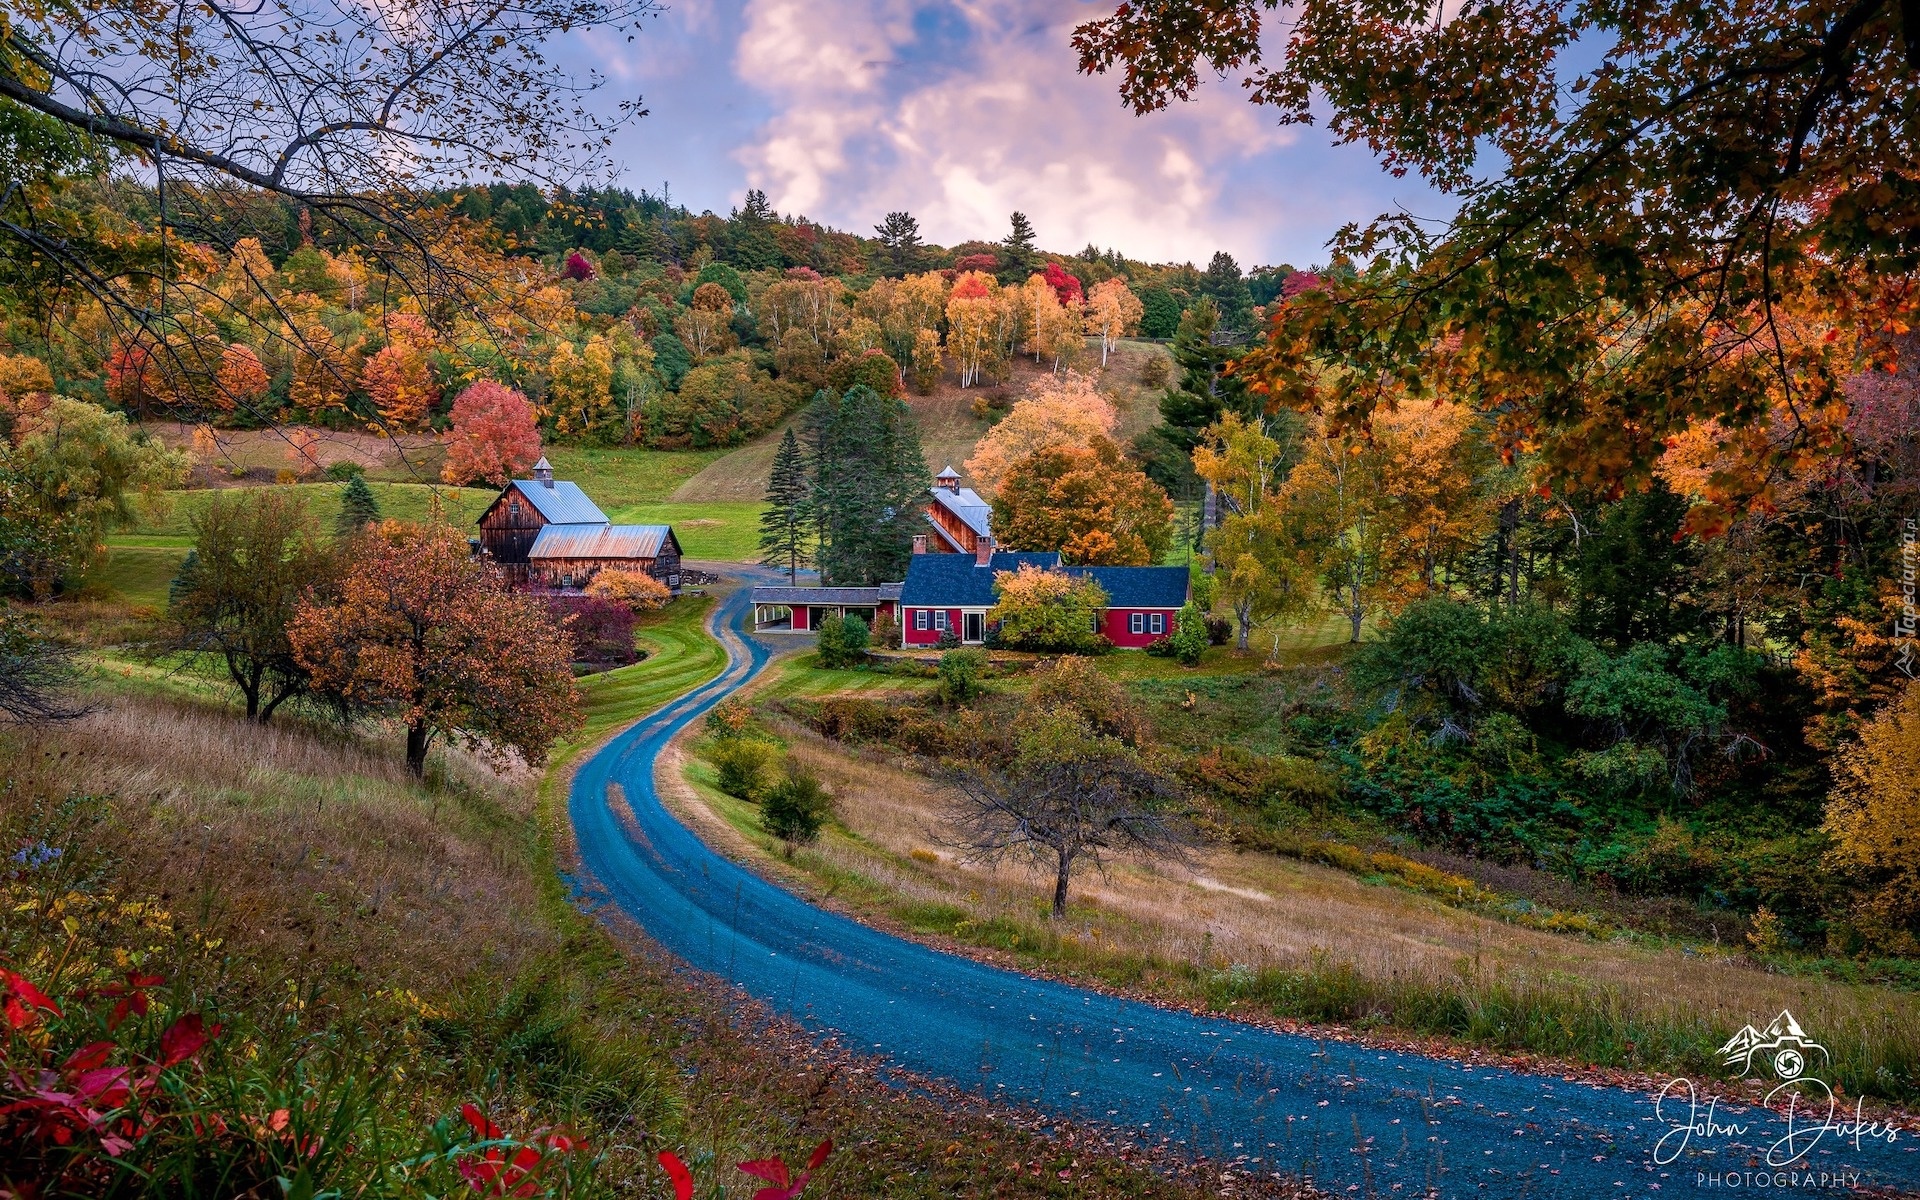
(900, 242)
(786, 523)
(1017, 250)
(1202, 393)
(869, 480)
(358, 508)
(1224, 285)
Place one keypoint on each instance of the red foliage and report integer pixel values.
(602, 629)
(496, 1172)
(678, 1173)
(971, 286)
(1300, 281)
(577, 267)
(495, 435)
(132, 996)
(988, 263)
(1065, 286)
(803, 274)
(21, 1001)
(775, 1171)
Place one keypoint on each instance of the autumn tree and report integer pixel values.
(495, 435)
(580, 391)
(706, 325)
(423, 633)
(1060, 788)
(1113, 312)
(242, 381)
(255, 555)
(1088, 502)
(1874, 819)
(975, 317)
(37, 673)
(1256, 548)
(1613, 277)
(77, 469)
(400, 384)
(1065, 411)
(1048, 611)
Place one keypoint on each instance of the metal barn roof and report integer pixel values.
(600, 541)
(561, 504)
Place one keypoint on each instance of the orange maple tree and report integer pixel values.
(495, 435)
(1088, 502)
(1062, 411)
(423, 633)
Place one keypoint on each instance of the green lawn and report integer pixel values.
(616, 477)
(172, 523)
(137, 575)
(680, 657)
(721, 530)
(800, 675)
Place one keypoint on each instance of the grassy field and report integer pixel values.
(680, 657)
(171, 521)
(617, 477)
(716, 531)
(136, 575)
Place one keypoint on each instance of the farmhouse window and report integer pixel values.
(940, 619)
(513, 508)
(1159, 623)
(1136, 622)
(919, 618)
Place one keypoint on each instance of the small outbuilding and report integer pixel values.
(546, 532)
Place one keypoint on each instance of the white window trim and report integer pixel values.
(940, 620)
(919, 620)
(1136, 622)
(1158, 623)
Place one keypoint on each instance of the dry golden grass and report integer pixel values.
(1229, 908)
(303, 846)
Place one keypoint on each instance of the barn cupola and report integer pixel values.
(543, 472)
(948, 479)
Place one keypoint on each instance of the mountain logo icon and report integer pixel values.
(1782, 1046)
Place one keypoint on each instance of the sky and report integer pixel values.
(960, 112)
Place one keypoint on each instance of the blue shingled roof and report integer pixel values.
(1139, 587)
(562, 504)
(953, 581)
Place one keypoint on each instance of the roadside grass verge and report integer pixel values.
(1263, 937)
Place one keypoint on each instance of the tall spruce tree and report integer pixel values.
(1202, 393)
(358, 508)
(1017, 251)
(870, 479)
(786, 526)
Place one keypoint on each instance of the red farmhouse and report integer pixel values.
(952, 592)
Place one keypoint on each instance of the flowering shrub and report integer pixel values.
(785, 1185)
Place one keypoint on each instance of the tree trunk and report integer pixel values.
(1060, 887)
(417, 737)
(1243, 618)
(1355, 616)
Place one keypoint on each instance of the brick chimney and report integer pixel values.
(983, 551)
(919, 543)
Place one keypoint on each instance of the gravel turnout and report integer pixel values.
(1350, 1118)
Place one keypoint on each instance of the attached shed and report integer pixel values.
(569, 556)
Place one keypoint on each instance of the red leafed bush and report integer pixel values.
(69, 1107)
(785, 1185)
(505, 1167)
(577, 267)
(602, 629)
(977, 262)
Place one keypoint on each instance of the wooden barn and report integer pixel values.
(547, 533)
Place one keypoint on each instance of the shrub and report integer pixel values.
(960, 672)
(1219, 629)
(740, 765)
(602, 629)
(1189, 638)
(949, 640)
(1160, 647)
(1049, 611)
(343, 470)
(843, 642)
(637, 590)
(886, 631)
(796, 807)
